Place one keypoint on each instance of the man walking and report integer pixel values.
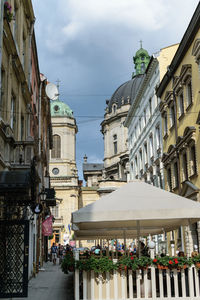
(54, 253)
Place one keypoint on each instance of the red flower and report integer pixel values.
(132, 258)
(170, 262)
(176, 261)
(155, 260)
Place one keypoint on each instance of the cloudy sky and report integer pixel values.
(89, 45)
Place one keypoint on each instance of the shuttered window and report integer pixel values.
(56, 151)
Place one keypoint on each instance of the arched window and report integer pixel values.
(56, 151)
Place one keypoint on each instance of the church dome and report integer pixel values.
(60, 109)
(141, 52)
(125, 93)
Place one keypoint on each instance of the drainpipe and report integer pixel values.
(1, 46)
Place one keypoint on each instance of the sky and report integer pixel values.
(89, 46)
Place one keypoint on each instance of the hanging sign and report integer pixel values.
(47, 226)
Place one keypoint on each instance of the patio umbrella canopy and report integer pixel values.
(136, 206)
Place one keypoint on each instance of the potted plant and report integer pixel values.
(68, 263)
(169, 262)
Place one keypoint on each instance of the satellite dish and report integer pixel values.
(52, 91)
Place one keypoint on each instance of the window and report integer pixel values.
(150, 107)
(22, 128)
(145, 153)
(151, 145)
(12, 113)
(185, 167)
(142, 66)
(159, 179)
(24, 51)
(158, 137)
(181, 104)
(165, 124)
(140, 125)
(145, 117)
(55, 211)
(115, 143)
(193, 164)
(189, 92)
(172, 116)
(114, 108)
(140, 156)
(176, 179)
(136, 166)
(56, 151)
(169, 179)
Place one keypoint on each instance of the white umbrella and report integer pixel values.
(135, 208)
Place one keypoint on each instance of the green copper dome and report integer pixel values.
(60, 109)
(141, 61)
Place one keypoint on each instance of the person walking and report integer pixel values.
(54, 250)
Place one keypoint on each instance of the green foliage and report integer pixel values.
(196, 259)
(105, 264)
(68, 263)
(98, 265)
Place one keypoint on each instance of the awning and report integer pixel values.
(136, 206)
(15, 181)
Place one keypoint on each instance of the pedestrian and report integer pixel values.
(54, 250)
(60, 253)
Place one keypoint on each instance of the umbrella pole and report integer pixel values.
(138, 238)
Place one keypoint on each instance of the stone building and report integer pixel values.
(144, 122)
(145, 128)
(25, 135)
(179, 107)
(116, 154)
(63, 170)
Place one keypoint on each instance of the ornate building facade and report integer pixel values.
(116, 154)
(179, 94)
(63, 170)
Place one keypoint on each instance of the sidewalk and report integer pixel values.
(50, 284)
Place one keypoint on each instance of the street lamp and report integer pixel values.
(43, 195)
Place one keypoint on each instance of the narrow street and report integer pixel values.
(50, 284)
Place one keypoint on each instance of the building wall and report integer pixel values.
(144, 123)
(179, 138)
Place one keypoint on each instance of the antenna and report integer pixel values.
(52, 91)
(140, 43)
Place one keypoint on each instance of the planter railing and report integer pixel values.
(152, 283)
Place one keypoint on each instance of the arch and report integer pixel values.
(170, 149)
(189, 130)
(56, 150)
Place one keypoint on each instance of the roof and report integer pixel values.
(60, 109)
(92, 167)
(126, 92)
